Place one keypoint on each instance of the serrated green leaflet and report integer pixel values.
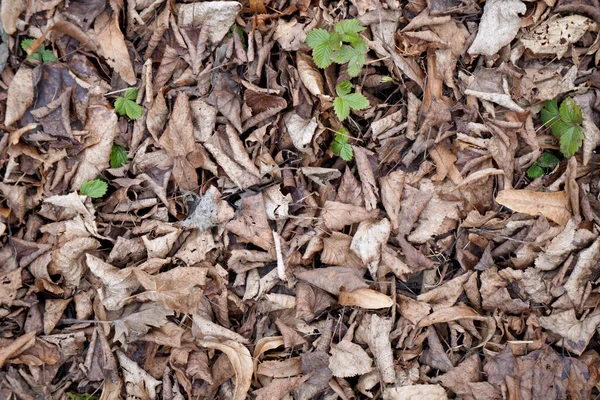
(127, 105)
(319, 41)
(570, 140)
(343, 88)
(95, 188)
(570, 112)
(349, 27)
(549, 113)
(118, 156)
(356, 101)
(341, 108)
(26, 43)
(346, 152)
(535, 171)
(131, 94)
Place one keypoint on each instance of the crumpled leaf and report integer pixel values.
(251, 224)
(555, 35)
(336, 215)
(117, 284)
(111, 43)
(367, 242)
(139, 383)
(498, 27)
(349, 359)
(414, 392)
(576, 333)
(135, 325)
(300, 130)
(214, 16)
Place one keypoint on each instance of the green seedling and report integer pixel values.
(545, 162)
(340, 146)
(126, 105)
(343, 45)
(347, 101)
(41, 53)
(564, 123)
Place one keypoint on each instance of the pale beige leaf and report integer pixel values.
(367, 242)
(446, 294)
(20, 94)
(214, 16)
(332, 279)
(349, 359)
(584, 272)
(498, 26)
(53, 310)
(205, 328)
(17, 345)
(10, 11)
(377, 336)
(300, 130)
(281, 369)
(111, 43)
(240, 359)
(392, 186)
(553, 205)
(117, 284)
(309, 74)
(251, 224)
(336, 215)
(555, 35)
(577, 334)
(367, 178)
(69, 258)
(290, 36)
(415, 392)
(365, 298)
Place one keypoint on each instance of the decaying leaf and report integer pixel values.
(498, 27)
(365, 298)
(553, 205)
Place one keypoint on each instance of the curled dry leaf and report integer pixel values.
(576, 333)
(365, 298)
(139, 383)
(240, 359)
(300, 130)
(367, 242)
(111, 44)
(309, 74)
(553, 205)
(349, 359)
(214, 16)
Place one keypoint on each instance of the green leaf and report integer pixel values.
(342, 136)
(535, 171)
(128, 107)
(559, 126)
(386, 79)
(87, 396)
(344, 54)
(95, 188)
(570, 112)
(547, 160)
(47, 55)
(341, 108)
(131, 94)
(356, 101)
(348, 29)
(118, 156)
(570, 140)
(346, 152)
(319, 41)
(356, 63)
(26, 43)
(549, 113)
(343, 88)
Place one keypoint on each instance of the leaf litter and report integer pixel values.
(292, 200)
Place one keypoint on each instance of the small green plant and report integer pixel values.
(347, 101)
(95, 188)
(126, 105)
(340, 146)
(538, 168)
(118, 156)
(343, 45)
(565, 123)
(86, 396)
(41, 53)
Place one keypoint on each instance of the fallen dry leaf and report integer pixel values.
(553, 205)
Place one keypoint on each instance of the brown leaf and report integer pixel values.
(216, 16)
(459, 378)
(139, 384)
(20, 344)
(102, 126)
(332, 279)
(364, 298)
(135, 325)
(336, 215)
(553, 205)
(111, 43)
(446, 294)
(251, 224)
(377, 336)
(309, 74)
(118, 284)
(349, 359)
(20, 94)
(240, 359)
(368, 241)
(53, 310)
(392, 187)
(279, 388)
(367, 178)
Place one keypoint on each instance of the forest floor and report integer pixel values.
(292, 199)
